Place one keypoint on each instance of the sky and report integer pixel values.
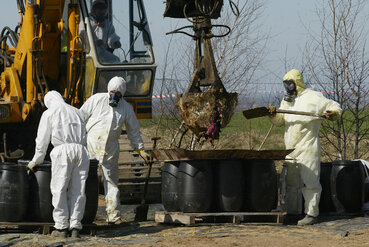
(284, 20)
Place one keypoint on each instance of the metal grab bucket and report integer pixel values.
(180, 8)
(13, 192)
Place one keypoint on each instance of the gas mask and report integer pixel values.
(290, 87)
(114, 99)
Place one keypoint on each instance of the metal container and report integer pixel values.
(195, 186)
(230, 185)
(169, 187)
(13, 192)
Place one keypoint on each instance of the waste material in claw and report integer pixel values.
(205, 113)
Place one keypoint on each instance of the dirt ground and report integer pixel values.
(330, 231)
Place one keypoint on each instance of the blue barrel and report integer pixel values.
(230, 185)
(195, 186)
(13, 192)
(169, 188)
(261, 186)
(92, 193)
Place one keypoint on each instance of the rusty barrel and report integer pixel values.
(13, 192)
(195, 185)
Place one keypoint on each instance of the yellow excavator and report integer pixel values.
(56, 46)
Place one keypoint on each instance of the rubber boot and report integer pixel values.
(75, 233)
(308, 220)
(63, 233)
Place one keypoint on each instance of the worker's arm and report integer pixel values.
(133, 128)
(43, 138)
(113, 38)
(330, 108)
(133, 133)
(87, 108)
(276, 118)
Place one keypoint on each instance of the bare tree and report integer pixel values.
(238, 55)
(337, 62)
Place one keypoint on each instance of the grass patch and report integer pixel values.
(240, 133)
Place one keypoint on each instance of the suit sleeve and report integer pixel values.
(43, 137)
(133, 128)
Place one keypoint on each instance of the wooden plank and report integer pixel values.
(178, 154)
(221, 217)
(174, 218)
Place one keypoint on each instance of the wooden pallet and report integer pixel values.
(44, 227)
(132, 174)
(223, 217)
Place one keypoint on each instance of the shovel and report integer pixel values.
(141, 211)
(264, 111)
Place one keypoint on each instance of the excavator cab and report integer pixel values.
(118, 43)
(125, 50)
(74, 47)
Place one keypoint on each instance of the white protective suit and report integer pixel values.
(302, 134)
(64, 126)
(104, 127)
(106, 32)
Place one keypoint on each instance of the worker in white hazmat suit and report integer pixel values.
(64, 126)
(105, 38)
(302, 135)
(105, 113)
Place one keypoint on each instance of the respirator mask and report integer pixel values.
(114, 99)
(290, 87)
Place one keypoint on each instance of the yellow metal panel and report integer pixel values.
(15, 113)
(142, 107)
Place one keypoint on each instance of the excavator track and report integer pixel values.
(133, 171)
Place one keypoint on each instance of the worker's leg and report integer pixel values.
(76, 190)
(60, 176)
(112, 197)
(310, 173)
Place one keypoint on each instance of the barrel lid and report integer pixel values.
(346, 162)
(11, 166)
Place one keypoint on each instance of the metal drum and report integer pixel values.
(230, 185)
(261, 188)
(13, 192)
(92, 193)
(325, 203)
(346, 181)
(195, 186)
(40, 201)
(169, 188)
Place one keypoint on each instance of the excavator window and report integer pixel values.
(120, 31)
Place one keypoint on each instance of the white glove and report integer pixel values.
(31, 165)
(145, 155)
